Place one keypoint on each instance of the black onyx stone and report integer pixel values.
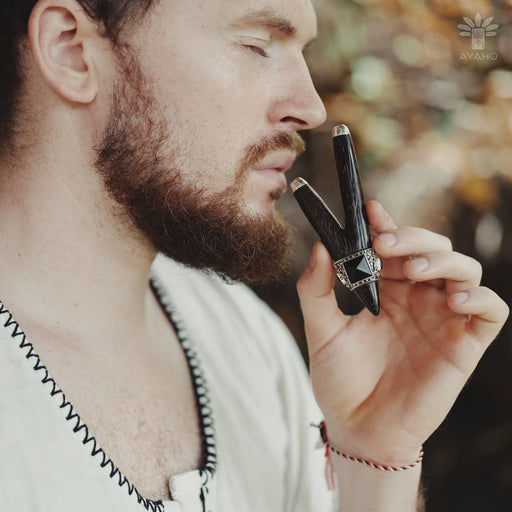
(357, 269)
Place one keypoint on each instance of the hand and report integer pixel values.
(385, 383)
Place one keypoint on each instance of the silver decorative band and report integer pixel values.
(359, 268)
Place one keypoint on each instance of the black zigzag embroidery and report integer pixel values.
(72, 416)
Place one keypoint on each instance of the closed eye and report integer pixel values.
(256, 49)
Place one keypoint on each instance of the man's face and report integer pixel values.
(203, 127)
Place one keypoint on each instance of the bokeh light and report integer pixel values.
(431, 120)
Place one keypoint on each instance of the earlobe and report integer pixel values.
(60, 39)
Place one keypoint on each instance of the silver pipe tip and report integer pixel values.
(297, 183)
(341, 129)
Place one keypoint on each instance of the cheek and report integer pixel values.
(213, 85)
(207, 154)
(197, 84)
(213, 108)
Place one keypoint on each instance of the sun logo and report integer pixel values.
(478, 30)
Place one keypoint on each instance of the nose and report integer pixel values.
(296, 104)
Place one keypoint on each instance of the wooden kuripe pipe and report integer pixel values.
(342, 241)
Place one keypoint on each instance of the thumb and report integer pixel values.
(322, 317)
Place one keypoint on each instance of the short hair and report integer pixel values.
(112, 16)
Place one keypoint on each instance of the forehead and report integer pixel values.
(295, 18)
(301, 12)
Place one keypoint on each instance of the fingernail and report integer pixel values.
(461, 297)
(419, 263)
(388, 239)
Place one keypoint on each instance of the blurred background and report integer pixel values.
(429, 106)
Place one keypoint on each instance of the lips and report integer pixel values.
(278, 163)
(273, 168)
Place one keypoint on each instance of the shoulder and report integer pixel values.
(230, 313)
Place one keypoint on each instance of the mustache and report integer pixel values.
(254, 153)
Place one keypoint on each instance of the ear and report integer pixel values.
(62, 40)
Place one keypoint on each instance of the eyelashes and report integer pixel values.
(256, 49)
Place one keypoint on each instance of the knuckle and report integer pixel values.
(446, 242)
(428, 237)
(505, 308)
(478, 268)
(410, 231)
(495, 303)
(473, 265)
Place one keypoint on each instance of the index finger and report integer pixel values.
(380, 219)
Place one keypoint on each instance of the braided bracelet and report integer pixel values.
(375, 465)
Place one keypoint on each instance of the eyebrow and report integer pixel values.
(268, 19)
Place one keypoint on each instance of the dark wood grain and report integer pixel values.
(357, 232)
(355, 235)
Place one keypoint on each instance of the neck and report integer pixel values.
(67, 255)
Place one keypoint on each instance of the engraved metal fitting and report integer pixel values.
(361, 267)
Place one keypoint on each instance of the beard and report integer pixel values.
(209, 231)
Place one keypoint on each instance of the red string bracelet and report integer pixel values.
(329, 472)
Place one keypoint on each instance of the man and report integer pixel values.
(132, 128)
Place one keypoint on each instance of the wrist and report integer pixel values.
(362, 489)
(371, 455)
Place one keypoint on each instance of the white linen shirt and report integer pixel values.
(255, 405)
